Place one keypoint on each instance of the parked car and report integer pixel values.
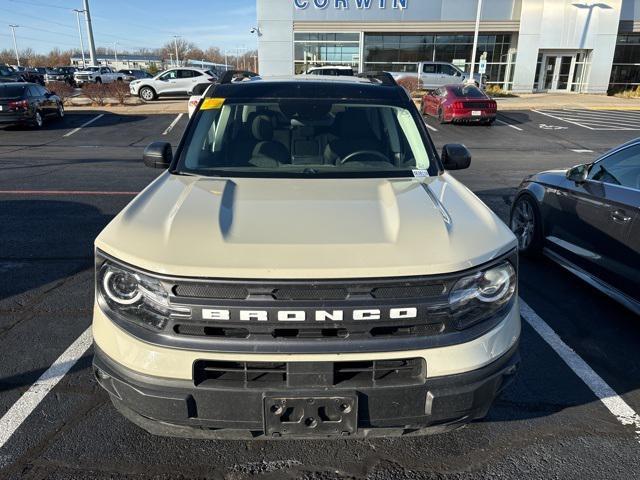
(587, 219)
(176, 81)
(195, 96)
(460, 103)
(28, 104)
(8, 74)
(433, 75)
(97, 75)
(305, 266)
(334, 71)
(131, 75)
(61, 74)
(32, 75)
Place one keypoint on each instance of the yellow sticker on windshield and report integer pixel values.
(212, 103)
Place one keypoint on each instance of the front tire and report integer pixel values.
(38, 120)
(526, 224)
(60, 112)
(147, 94)
(98, 81)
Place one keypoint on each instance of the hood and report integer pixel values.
(301, 229)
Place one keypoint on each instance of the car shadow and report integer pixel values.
(75, 119)
(43, 241)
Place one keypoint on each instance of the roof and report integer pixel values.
(293, 87)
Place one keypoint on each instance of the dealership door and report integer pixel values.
(557, 72)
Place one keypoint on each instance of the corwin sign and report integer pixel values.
(349, 4)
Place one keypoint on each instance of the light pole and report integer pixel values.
(92, 43)
(15, 44)
(475, 43)
(171, 57)
(175, 42)
(78, 12)
(115, 53)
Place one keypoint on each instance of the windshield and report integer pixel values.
(304, 138)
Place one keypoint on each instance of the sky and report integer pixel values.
(134, 24)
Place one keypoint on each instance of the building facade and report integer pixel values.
(531, 45)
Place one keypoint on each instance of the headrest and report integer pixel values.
(353, 123)
(262, 128)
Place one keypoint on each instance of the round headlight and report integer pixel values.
(121, 287)
(497, 283)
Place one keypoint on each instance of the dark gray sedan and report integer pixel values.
(587, 219)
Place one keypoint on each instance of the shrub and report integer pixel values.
(119, 91)
(62, 89)
(410, 84)
(496, 91)
(97, 93)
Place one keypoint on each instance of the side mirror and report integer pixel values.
(158, 155)
(578, 173)
(455, 157)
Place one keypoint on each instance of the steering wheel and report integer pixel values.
(359, 153)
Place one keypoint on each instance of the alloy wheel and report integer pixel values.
(523, 224)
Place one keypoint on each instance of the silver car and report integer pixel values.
(176, 81)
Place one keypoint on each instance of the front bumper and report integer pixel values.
(177, 408)
(154, 386)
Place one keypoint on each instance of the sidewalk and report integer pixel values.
(535, 101)
(530, 101)
(158, 107)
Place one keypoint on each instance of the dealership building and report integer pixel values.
(531, 45)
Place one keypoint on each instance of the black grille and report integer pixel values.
(240, 374)
(478, 105)
(378, 373)
(410, 291)
(211, 290)
(310, 293)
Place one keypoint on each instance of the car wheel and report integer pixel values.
(38, 120)
(147, 94)
(527, 226)
(60, 112)
(98, 81)
(441, 116)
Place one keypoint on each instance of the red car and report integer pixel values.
(460, 103)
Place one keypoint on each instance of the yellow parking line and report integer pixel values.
(615, 108)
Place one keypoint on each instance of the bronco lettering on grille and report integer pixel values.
(314, 315)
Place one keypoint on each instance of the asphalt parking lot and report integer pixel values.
(60, 186)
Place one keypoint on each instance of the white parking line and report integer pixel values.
(562, 120)
(508, 125)
(577, 150)
(173, 124)
(20, 410)
(76, 130)
(614, 403)
(430, 127)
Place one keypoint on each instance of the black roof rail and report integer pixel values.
(385, 78)
(231, 76)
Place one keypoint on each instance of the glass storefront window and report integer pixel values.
(318, 49)
(625, 73)
(395, 51)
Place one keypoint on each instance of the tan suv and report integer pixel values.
(305, 267)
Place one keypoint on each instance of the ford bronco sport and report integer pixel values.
(305, 267)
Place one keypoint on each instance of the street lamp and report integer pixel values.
(15, 44)
(78, 12)
(115, 53)
(175, 42)
(475, 43)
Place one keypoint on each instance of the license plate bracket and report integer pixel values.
(310, 416)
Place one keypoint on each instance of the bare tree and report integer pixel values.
(183, 46)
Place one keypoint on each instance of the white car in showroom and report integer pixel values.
(176, 81)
